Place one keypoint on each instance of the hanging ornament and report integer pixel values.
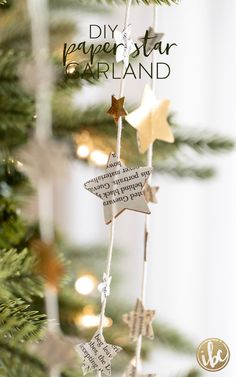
(46, 160)
(120, 188)
(125, 45)
(57, 350)
(104, 287)
(151, 38)
(48, 264)
(97, 355)
(150, 120)
(117, 109)
(140, 321)
(131, 371)
(150, 193)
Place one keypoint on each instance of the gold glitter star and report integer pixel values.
(117, 109)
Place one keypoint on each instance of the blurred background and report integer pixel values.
(191, 274)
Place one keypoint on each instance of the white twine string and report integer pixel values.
(147, 218)
(118, 148)
(38, 10)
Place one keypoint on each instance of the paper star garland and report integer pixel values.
(117, 109)
(125, 45)
(132, 372)
(150, 193)
(120, 188)
(97, 355)
(48, 265)
(151, 38)
(44, 160)
(139, 321)
(104, 287)
(150, 120)
(57, 350)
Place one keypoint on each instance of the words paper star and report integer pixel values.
(104, 287)
(125, 45)
(132, 372)
(117, 109)
(97, 355)
(140, 321)
(150, 120)
(57, 350)
(150, 193)
(150, 39)
(120, 188)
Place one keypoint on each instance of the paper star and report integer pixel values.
(117, 109)
(150, 120)
(120, 188)
(57, 350)
(104, 287)
(140, 321)
(48, 264)
(132, 372)
(150, 193)
(44, 160)
(97, 354)
(125, 45)
(150, 39)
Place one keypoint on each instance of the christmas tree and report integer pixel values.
(22, 312)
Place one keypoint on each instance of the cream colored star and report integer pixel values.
(139, 321)
(150, 120)
(97, 354)
(120, 188)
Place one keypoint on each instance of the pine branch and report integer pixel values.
(146, 2)
(15, 362)
(184, 171)
(12, 230)
(18, 324)
(16, 275)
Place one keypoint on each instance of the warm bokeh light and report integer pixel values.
(85, 284)
(92, 320)
(71, 67)
(99, 157)
(83, 151)
(89, 319)
(19, 164)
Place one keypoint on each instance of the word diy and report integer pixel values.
(81, 56)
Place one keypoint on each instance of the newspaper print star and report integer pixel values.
(139, 321)
(125, 45)
(150, 39)
(120, 188)
(97, 355)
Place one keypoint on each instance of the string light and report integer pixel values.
(88, 319)
(71, 67)
(99, 157)
(85, 284)
(83, 151)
